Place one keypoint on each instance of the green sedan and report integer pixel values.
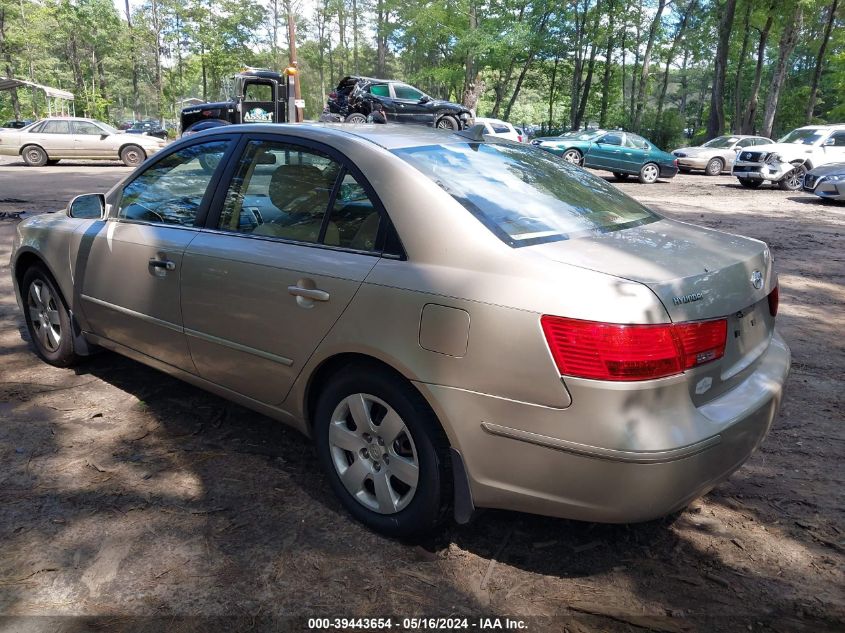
(622, 153)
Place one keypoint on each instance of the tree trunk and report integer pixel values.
(716, 122)
(355, 36)
(679, 34)
(552, 91)
(473, 86)
(381, 36)
(7, 55)
(817, 73)
(605, 82)
(750, 115)
(736, 124)
(532, 53)
(787, 44)
(585, 94)
(643, 87)
(133, 52)
(157, 29)
(636, 58)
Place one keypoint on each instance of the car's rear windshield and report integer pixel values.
(525, 195)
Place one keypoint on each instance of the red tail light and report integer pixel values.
(610, 351)
(774, 301)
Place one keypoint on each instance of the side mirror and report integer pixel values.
(830, 141)
(425, 99)
(88, 206)
(645, 146)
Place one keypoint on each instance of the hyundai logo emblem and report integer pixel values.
(757, 279)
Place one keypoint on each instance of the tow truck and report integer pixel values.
(260, 96)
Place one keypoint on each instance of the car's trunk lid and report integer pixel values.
(697, 274)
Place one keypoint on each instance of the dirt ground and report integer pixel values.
(129, 495)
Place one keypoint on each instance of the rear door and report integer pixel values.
(131, 264)
(634, 152)
(293, 236)
(383, 95)
(56, 138)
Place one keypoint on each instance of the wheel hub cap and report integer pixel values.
(373, 453)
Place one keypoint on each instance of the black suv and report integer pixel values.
(359, 99)
(149, 127)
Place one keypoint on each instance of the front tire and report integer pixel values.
(572, 156)
(448, 123)
(355, 117)
(47, 318)
(649, 173)
(132, 156)
(34, 156)
(714, 167)
(383, 451)
(749, 183)
(794, 180)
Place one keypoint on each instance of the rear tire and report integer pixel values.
(748, 183)
(620, 176)
(47, 318)
(714, 167)
(649, 173)
(132, 156)
(355, 117)
(34, 156)
(794, 180)
(397, 483)
(448, 123)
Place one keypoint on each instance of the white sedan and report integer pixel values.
(50, 140)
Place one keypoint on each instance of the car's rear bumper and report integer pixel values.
(668, 171)
(521, 456)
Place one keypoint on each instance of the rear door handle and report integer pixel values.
(314, 294)
(166, 264)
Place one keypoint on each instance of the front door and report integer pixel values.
(132, 263)
(92, 141)
(409, 105)
(605, 152)
(259, 103)
(293, 241)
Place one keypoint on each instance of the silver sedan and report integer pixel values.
(716, 155)
(458, 323)
(827, 181)
(51, 140)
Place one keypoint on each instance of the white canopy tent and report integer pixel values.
(59, 102)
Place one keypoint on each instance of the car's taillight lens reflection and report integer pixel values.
(774, 301)
(611, 351)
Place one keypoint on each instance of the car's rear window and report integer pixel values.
(525, 195)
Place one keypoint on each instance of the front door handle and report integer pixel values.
(165, 264)
(315, 294)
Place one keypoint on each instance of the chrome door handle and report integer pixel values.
(163, 263)
(315, 294)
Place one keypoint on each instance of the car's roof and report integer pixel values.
(69, 118)
(389, 136)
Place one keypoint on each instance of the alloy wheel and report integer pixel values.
(795, 178)
(373, 453)
(650, 173)
(572, 156)
(44, 314)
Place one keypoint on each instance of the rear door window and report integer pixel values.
(380, 90)
(56, 127)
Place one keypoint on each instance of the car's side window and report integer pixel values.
(762, 141)
(380, 90)
(281, 190)
(353, 217)
(838, 139)
(746, 142)
(611, 139)
(84, 127)
(56, 127)
(35, 129)
(406, 92)
(171, 190)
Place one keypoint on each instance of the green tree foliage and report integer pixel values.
(645, 65)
